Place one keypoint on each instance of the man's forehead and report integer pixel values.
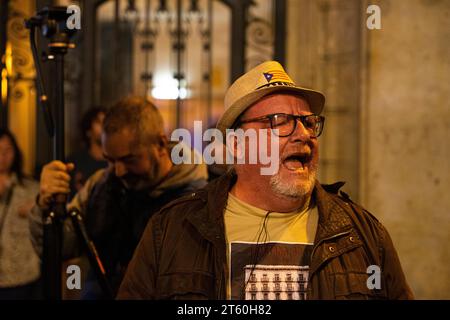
(119, 143)
(125, 134)
(279, 103)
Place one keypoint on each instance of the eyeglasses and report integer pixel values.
(287, 123)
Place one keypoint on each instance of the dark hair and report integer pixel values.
(17, 165)
(86, 121)
(138, 114)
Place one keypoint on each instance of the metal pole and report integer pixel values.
(178, 53)
(53, 234)
(51, 253)
(210, 26)
(116, 49)
(59, 109)
(239, 10)
(146, 56)
(280, 31)
(89, 87)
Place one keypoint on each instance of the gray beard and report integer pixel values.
(148, 181)
(293, 190)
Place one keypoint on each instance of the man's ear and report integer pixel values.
(162, 143)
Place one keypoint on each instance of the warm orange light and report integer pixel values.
(4, 85)
(6, 72)
(8, 61)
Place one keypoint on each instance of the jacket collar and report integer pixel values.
(332, 216)
(209, 221)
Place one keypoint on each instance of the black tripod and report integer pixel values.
(53, 24)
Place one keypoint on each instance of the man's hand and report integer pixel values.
(55, 179)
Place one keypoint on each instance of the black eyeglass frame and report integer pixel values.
(290, 117)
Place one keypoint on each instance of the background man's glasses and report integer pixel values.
(287, 123)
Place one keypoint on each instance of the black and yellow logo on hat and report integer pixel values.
(277, 76)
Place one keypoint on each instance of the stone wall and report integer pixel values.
(324, 53)
(407, 130)
(396, 159)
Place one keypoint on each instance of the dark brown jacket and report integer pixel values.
(182, 254)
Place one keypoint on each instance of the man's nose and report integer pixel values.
(119, 169)
(300, 133)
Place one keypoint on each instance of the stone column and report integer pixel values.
(406, 121)
(22, 91)
(324, 53)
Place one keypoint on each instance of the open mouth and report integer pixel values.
(297, 162)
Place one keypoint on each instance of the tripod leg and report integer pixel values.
(52, 254)
(91, 251)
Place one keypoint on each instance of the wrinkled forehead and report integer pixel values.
(278, 103)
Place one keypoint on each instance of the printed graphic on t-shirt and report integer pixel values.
(269, 271)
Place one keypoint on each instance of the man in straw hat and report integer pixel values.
(254, 236)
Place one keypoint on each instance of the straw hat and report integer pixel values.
(262, 80)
